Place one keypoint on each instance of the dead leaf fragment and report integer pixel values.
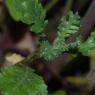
(13, 59)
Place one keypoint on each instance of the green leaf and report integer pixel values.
(21, 80)
(88, 45)
(29, 12)
(68, 26)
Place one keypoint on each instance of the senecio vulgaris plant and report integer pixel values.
(22, 80)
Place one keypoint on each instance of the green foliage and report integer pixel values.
(59, 92)
(68, 26)
(21, 80)
(29, 12)
(88, 45)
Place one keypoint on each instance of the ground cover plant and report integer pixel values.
(44, 63)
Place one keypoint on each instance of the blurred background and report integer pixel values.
(73, 74)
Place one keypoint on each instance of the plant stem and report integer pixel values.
(51, 4)
(30, 58)
(67, 7)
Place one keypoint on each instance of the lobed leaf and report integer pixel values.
(87, 46)
(68, 26)
(29, 12)
(21, 80)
